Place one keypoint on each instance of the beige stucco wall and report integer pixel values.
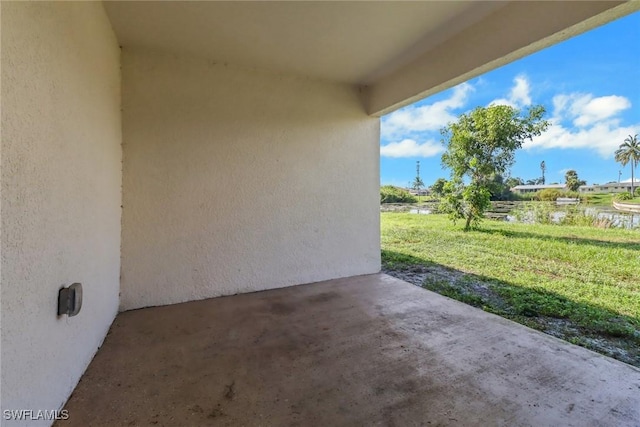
(237, 180)
(61, 195)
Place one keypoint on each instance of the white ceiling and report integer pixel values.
(353, 42)
(401, 51)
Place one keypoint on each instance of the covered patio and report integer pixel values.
(360, 351)
(168, 156)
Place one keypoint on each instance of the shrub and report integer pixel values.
(549, 213)
(549, 194)
(552, 194)
(537, 213)
(623, 196)
(391, 194)
(576, 216)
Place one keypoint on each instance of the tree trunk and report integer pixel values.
(468, 224)
(632, 189)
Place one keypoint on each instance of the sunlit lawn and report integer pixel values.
(605, 199)
(589, 278)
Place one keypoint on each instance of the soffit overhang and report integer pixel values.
(398, 52)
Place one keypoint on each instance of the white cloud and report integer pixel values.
(518, 96)
(585, 110)
(603, 137)
(520, 92)
(562, 101)
(410, 148)
(503, 101)
(595, 125)
(601, 108)
(430, 117)
(579, 120)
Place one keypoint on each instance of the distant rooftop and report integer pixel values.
(537, 187)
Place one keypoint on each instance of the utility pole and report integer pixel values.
(418, 180)
(619, 175)
(417, 183)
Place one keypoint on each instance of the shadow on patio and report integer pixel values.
(366, 350)
(589, 325)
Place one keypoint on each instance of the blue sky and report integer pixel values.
(589, 85)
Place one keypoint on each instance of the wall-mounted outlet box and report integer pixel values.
(70, 300)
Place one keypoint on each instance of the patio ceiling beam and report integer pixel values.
(513, 31)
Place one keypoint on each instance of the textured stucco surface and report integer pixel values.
(237, 180)
(61, 195)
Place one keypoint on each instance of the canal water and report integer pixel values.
(506, 211)
(611, 217)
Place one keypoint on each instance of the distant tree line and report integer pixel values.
(479, 151)
(392, 194)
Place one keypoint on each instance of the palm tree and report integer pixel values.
(543, 168)
(629, 152)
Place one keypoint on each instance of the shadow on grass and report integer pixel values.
(588, 325)
(575, 240)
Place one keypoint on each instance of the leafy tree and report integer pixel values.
(513, 181)
(570, 174)
(572, 182)
(629, 152)
(543, 168)
(417, 184)
(465, 201)
(438, 187)
(479, 145)
(498, 188)
(532, 182)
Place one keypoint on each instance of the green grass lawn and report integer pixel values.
(581, 284)
(599, 199)
(635, 200)
(605, 199)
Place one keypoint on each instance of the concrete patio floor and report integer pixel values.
(360, 351)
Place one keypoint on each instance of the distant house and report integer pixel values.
(421, 192)
(610, 187)
(525, 189)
